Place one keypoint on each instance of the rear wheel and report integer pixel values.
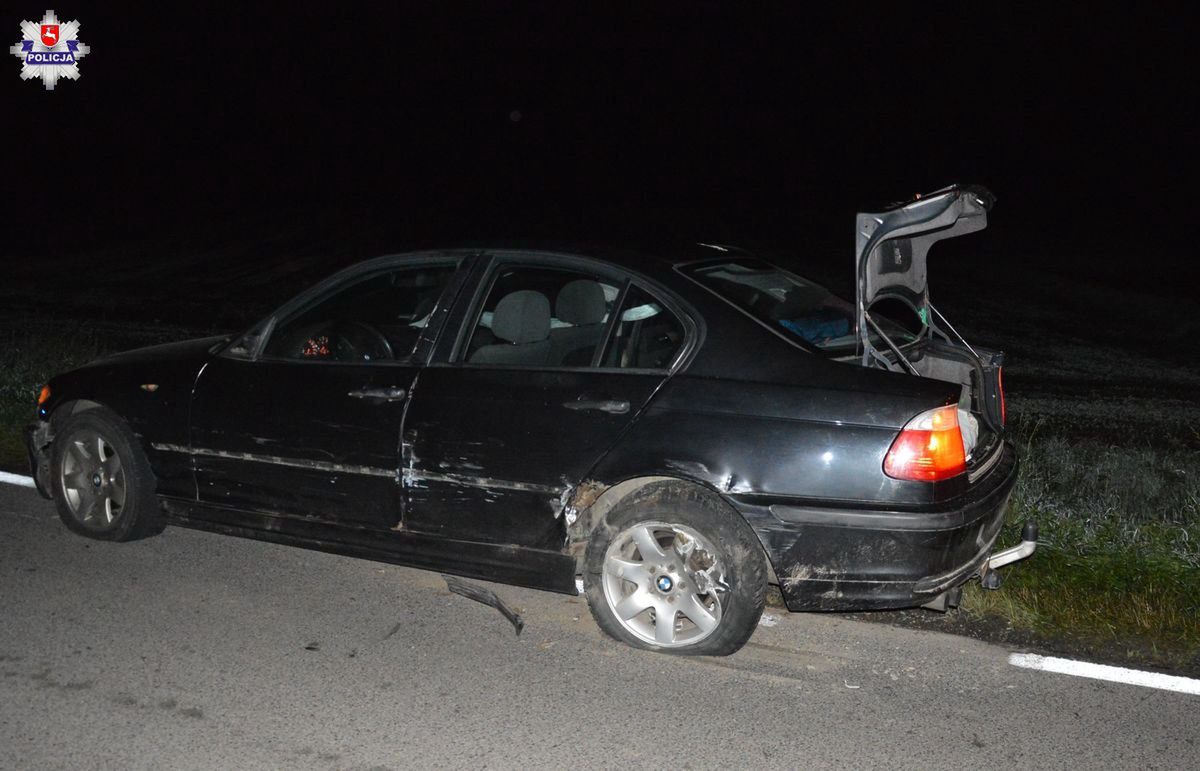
(102, 483)
(672, 569)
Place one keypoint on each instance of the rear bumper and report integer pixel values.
(37, 445)
(855, 559)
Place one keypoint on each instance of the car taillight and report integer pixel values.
(1000, 387)
(929, 448)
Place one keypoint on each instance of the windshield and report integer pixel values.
(792, 305)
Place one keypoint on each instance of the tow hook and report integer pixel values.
(988, 576)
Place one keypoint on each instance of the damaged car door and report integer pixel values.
(555, 357)
(306, 421)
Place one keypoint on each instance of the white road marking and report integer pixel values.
(1105, 672)
(15, 479)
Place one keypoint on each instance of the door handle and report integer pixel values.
(612, 406)
(387, 394)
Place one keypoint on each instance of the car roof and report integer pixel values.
(643, 256)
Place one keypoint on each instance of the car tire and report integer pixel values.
(101, 480)
(673, 548)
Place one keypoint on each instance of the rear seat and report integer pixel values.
(522, 322)
(581, 304)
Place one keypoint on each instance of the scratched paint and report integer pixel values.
(340, 468)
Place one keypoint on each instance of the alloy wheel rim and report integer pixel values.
(93, 480)
(665, 583)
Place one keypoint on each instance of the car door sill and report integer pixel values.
(504, 563)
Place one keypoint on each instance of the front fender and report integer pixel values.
(150, 390)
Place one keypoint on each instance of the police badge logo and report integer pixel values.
(49, 50)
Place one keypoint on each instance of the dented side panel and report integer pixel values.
(539, 569)
(838, 532)
(829, 559)
(493, 454)
(287, 436)
(807, 442)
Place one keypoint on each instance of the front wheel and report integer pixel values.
(674, 570)
(103, 485)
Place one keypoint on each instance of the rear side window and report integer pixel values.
(542, 317)
(794, 306)
(558, 318)
(647, 335)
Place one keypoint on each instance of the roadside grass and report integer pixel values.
(1118, 560)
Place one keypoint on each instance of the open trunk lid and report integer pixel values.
(891, 249)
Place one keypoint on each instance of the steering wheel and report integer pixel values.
(357, 340)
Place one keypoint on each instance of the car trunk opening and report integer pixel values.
(892, 324)
(891, 251)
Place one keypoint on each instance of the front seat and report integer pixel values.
(580, 303)
(522, 320)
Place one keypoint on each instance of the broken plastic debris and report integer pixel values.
(487, 597)
(768, 620)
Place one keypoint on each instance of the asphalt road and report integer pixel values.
(192, 650)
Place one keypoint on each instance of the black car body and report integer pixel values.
(500, 465)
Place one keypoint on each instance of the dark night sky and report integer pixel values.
(688, 121)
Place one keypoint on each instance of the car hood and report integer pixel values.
(185, 350)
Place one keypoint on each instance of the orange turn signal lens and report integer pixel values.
(43, 395)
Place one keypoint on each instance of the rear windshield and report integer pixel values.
(794, 306)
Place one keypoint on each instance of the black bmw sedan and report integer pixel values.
(668, 434)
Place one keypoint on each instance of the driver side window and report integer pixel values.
(378, 318)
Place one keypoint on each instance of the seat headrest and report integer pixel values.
(522, 317)
(581, 302)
